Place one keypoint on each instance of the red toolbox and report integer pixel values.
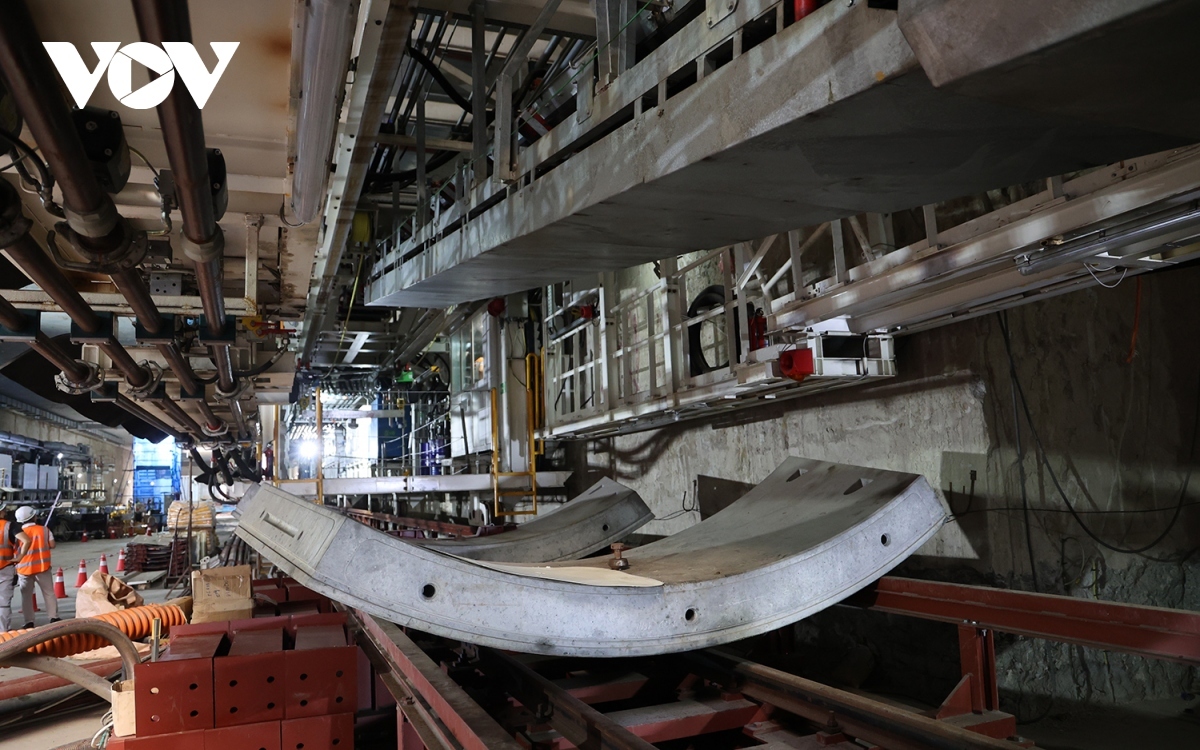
(320, 673)
(248, 681)
(175, 693)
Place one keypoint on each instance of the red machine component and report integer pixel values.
(264, 736)
(248, 681)
(176, 741)
(331, 732)
(796, 364)
(801, 8)
(175, 693)
(320, 674)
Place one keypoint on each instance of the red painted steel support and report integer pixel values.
(1153, 632)
(470, 725)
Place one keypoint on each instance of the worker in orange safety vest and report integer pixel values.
(34, 566)
(12, 545)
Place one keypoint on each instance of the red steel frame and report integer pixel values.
(1153, 632)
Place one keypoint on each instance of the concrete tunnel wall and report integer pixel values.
(1117, 430)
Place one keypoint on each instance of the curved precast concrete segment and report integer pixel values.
(605, 513)
(808, 536)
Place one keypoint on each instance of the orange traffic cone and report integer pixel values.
(83, 576)
(121, 561)
(84, 538)
(60, 588)
(103, 564)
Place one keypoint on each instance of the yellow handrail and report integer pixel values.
(535, 448)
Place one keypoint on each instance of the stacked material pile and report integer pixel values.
(141, 557)
(203, 517)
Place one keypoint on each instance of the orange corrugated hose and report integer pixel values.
(135, 623)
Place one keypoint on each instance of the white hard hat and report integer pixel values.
(24, 513)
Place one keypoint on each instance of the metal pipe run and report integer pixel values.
(136, 410)
(183, 133)
(51, 350)
(41, 269)
(176, 412)
(31, 80)
(162, 21)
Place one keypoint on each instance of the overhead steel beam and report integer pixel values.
(381, 48)
(808, 536)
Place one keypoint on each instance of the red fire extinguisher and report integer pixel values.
(758, 330)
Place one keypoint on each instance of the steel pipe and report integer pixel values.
(41, 269)
(133, 288)
(136, 410)
(55, 355)
(176, 412)
(183, 133)
(30, 77)
(64, 669)
(133, 372)
(51, 350)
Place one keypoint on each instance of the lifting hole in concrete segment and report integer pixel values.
(604, 527)
(428, 591)
(689, 615)
(885, 540)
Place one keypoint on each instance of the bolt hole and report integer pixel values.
(193, 686)
(233, 683)
(303, 703)
(339, 699)
(233, 709)
(689, 615)
(194, 714)
(154, 691)
(339, 673)
(270, 705)
(303, 676)
(270, 679)
(885, 540)
(336, 741)
(604, 527)
(428, 591)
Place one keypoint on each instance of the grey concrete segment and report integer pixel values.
(605, 513)
(809, 535)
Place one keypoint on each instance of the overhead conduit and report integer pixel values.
(183, 132)
(98, 231)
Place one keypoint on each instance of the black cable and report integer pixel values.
(439, 78)
(47, 180)
(1076, 515)
(1012, 373)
